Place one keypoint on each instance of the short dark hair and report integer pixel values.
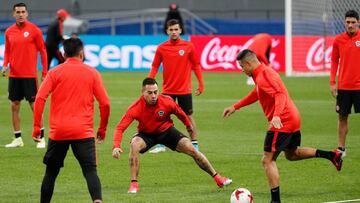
(19, 5)
(73, 46)
(352, 14)
(149, 81)
(172, 22)
(244, 54)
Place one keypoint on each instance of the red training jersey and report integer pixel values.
(153, 119)
(274, 99)
(22, 44)
(73, 86)
(178, 59)
(346, 52)
(261, 45)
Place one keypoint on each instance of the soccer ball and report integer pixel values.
(241, 195)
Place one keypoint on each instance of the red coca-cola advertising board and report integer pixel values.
(311, 54)
(218, 53)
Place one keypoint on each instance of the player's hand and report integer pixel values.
(190, 130)
(116, 152)
(333, 90)
(36, 134)
(99, 140)
(199, 90)
(3, 70)
(276, 122)
(101, 133)
(228, 111)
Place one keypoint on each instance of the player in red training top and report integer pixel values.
(73, 87)
(23, 41)
(153, 112)
(261, 45)
(178, 58)
(346, 53)
(284, 119)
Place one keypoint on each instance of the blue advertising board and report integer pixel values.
(116, 53)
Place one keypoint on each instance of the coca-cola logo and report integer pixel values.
(318, 59)
(215, 55)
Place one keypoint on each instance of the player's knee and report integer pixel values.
(266, 161)
(292, 155)
(135, 144)
(87, 169)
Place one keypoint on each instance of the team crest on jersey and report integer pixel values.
(181, 52)
(357, 43)
(26, 34)
(161, 113)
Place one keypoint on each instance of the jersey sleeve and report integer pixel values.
(247, 100)
(7, 50)
(334, 63)
(263, 59)
(41, 96)
(155, 64)
(40, 44)
(180, 114)
(196, 67)
(103, 100)
(272, 85)
(124, 123)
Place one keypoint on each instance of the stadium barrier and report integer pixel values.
(216, 53)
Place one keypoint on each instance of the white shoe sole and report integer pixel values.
(13, 146)
(155, 151)
(227, 182)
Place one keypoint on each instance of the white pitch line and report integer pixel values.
(350, 200)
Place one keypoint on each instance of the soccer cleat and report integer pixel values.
(343, 153)
(134, 187)
(222, 181)
(159, 148)
(250, 81)
(41, 144)
(17, 142)
(336, 160)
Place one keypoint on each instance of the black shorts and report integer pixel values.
(184, 101)
(83, 149)
(280, 141)
(169, 138)
(22, 87)
(346, 99)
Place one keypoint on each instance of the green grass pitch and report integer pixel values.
(234, 147)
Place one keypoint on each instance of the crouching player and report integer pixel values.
(153, 111)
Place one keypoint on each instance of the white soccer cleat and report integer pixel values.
(250, 81)
(158, 149)
(41, 144)
(343, 153)
(17, 142)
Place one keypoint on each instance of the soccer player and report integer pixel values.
(153, 112)
(54, 36)
(344, 59)
(284, 119)
(23, 41)
(73, 86)
(178, 58)
(261, 45)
